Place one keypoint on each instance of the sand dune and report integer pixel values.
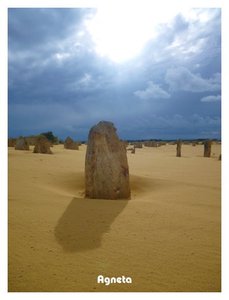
(167, 237)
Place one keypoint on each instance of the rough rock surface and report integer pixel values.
(133, 150)
(11, 142)
(151, 144)
(22, 144)
(207, 148)
(70, 144)
(106, 166)
(137, 145)
(179, 143)
(42, 145)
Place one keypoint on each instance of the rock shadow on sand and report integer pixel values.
(85, 221)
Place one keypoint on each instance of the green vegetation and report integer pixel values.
(49, 135)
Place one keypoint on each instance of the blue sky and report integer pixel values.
(152, 73)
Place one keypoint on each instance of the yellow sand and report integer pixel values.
(166, 238)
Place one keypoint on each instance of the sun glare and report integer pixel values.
(120, 32)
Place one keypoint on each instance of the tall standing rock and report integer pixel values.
(207, 148)
(179, 143)
(106, 166)
(22, 144)
(42, 145)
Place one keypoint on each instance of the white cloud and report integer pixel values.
(120, 34)
(61, 56)
(202, 33)
(85, 83)
(85, 80)
(182, 79)
(185, 48)
(211, 98)
(153, 91)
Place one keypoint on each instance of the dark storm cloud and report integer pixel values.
(34, 28)
(58, 82)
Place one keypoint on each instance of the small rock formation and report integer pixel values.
(220, 156)
(151, 144)
(70, 144)
(11, 142)
(133, 150)
(22, 144)
(42, 145)
(179, 143)
(137, 145)
(207, 148)
(31, 140)
(106, 166)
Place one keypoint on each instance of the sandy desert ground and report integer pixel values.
(167, 237)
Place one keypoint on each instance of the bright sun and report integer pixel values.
(120, 32)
